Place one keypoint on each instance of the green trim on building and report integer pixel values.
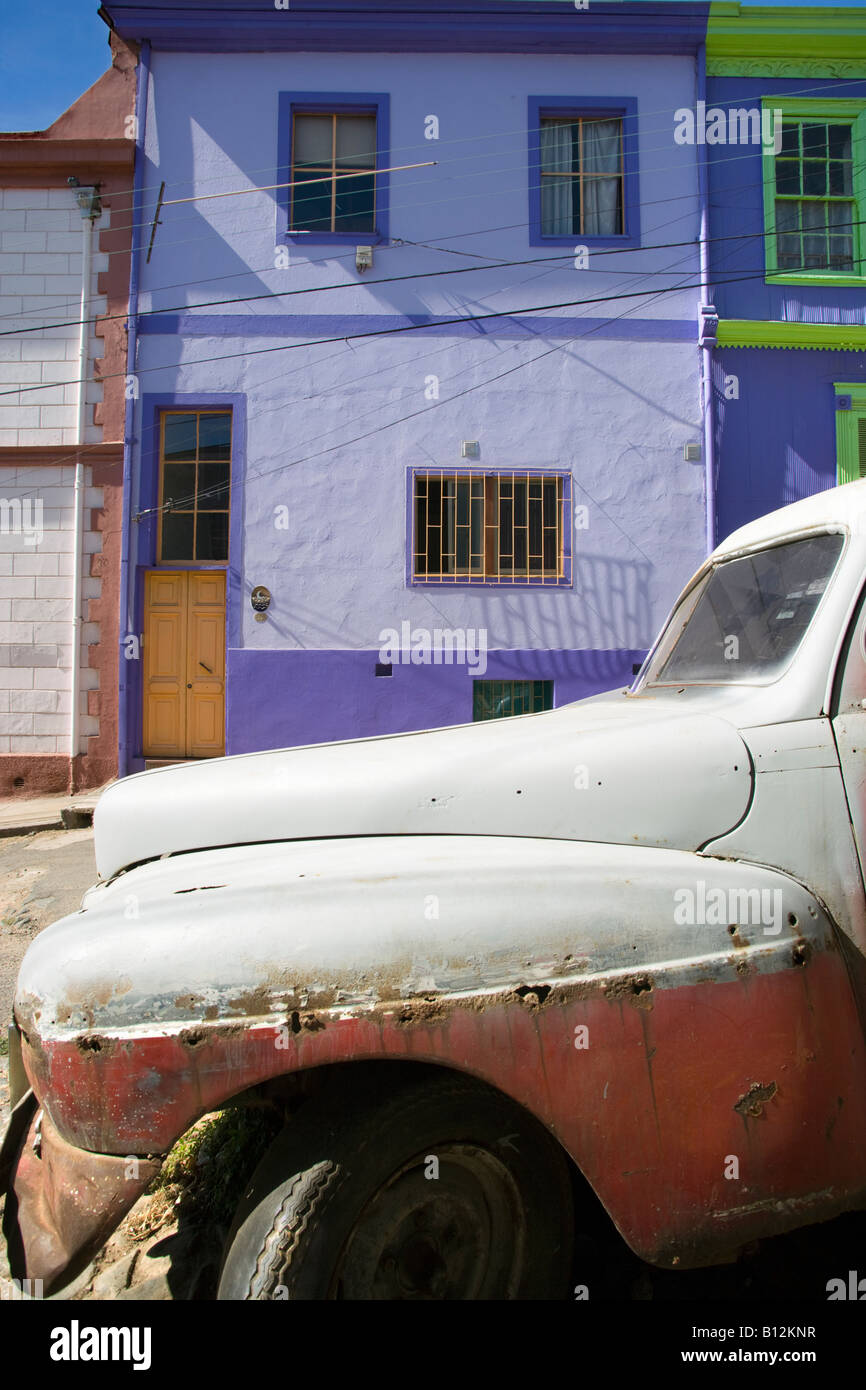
(764, 41)
(851, 433)
(843, 112)
(827, 337)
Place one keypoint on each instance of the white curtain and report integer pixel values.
(556, 193)
(601, 196)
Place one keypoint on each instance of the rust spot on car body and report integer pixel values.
(90, 1044)
(305, 1023)
(752, 1103)
(254, 1002)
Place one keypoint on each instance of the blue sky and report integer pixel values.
(53, 50)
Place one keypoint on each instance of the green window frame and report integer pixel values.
(851, 433)
(506, 699)
(807, 155)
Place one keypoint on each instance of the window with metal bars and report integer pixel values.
(195, 481)
(333, 172)
(507, 527)
(503, 699)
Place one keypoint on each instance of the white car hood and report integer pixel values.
(612, 769)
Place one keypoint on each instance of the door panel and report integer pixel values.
(164, 734)
(184, 664)
(206, 665)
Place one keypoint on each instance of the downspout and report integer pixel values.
(127, 562)
(709, 320)
(88, 202)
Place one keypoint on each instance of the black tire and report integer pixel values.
(346, 1203)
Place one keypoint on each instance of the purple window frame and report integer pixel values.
(603, 107)
(352, 103)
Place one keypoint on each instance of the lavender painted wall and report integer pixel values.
(332, 429)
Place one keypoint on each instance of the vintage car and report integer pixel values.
(618, 944)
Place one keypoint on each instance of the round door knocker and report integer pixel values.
(260, 598)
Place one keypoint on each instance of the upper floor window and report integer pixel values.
(333, 172)
(815, 194)
(815, 208)
(195, 482)
(491, 528)
(333, 158)
(583, 172)
(581, 177)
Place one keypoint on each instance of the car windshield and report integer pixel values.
(746, 619)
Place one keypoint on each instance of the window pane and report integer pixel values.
(356, 142)
(212, 536)
(180, 436)
(560, 207)
(356, 204)
(601, 147)
(215, 436)
(787, 177)
(814, 142)
(311, 208)
(790, 140)
(213, 487)
(178, 483)
(560, 146)
(814, 178)
(839, 141)
(314, 140)
(602, 207)
(177, 536)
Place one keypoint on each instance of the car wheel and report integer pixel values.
(442, 1190)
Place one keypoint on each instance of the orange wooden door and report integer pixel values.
(184, 664)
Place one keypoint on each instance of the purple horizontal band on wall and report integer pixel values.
(324, 325)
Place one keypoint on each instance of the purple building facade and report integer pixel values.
(415, 418)
(788, 223)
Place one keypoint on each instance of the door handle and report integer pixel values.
(189, 685)
(207, 668)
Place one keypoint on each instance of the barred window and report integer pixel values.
(505, 527)
(502, 699)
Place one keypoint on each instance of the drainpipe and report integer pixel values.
(709, 321)
(88, 202)
(127, 563)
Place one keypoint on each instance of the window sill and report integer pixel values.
(592, 243)
(335, 238)
(412, 583)
(815, 278)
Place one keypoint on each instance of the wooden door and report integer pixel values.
(184, 664)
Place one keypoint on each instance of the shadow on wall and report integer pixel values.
(608, 608)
